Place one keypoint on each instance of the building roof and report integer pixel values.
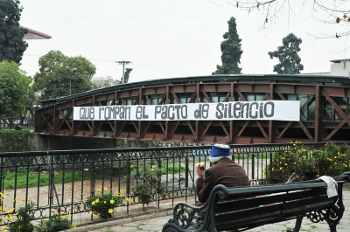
(32, 34)
(339, 60)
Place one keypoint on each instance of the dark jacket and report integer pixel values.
(226, 172)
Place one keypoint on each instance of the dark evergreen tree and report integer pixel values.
(231, 51)
(12, 45)
(288, 56)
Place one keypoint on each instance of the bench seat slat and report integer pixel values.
(261, 216)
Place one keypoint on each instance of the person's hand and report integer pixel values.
(200, 172)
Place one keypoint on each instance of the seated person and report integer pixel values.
(18, 127)
(223, 171)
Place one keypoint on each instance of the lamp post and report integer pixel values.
(74, 70)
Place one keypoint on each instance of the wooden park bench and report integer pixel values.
(242, 208)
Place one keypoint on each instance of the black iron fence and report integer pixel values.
(62, 180)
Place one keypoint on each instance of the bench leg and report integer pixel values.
(332, 225)
(297, 224)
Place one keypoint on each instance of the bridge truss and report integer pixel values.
(324, 110)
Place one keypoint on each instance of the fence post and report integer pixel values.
(128, 181)
(186, 171)
(2, 181)
(253, 165)
(159, 178)
(92, 182)
(51, 183)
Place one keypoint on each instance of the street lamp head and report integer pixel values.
(68, 68)
(74, 70)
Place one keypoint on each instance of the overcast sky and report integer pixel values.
(166, 38)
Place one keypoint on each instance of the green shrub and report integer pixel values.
(332, 161)
(149, 183)
(54, 223)
(103, 205)
(14, 141)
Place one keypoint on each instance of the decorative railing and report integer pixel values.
(62, 180)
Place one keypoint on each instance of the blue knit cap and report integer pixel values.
(218, 151)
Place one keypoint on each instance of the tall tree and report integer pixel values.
(231, 51)
(14, 88)
(53, 80)
(12, 45)
(288, 56)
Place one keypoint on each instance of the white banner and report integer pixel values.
(236, 110)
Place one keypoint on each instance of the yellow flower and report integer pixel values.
(112, 201)
(105, 188)
(83, 194)
(90, 212)
(74, 226)
(93, 203)
(97, 200)
(280, 168)
(121, 191)
(69, 215)
(131, 166)
(74, 217)
(99, 190)
(110, 211)
(152, 169)
(105, 202)
(96, 216)
(127, 199)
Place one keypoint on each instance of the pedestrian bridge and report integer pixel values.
(242, 109)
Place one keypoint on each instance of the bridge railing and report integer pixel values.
(62, 180)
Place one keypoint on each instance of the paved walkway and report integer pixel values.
(156, 223)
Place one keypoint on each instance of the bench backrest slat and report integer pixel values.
(264, 209)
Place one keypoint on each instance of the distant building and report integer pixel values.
(340, 67)
(32, 34)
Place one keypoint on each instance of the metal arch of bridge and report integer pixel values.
(58, 120)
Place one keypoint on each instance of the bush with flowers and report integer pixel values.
(334, 160)
(55, 223)
(149, 184)
(103, 205)
(24, 216)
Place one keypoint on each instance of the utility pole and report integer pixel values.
(123, 63)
